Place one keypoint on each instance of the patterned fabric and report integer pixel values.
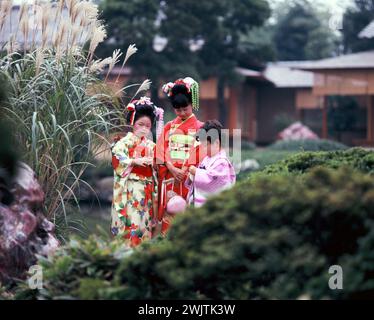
(213, 175)
(176, 144)
(135, 190)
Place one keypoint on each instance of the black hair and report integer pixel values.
(142, 111)
(180, 97)
(211, 130)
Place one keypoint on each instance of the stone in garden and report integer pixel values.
(24, 231)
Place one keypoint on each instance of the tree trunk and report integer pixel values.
(221, 101)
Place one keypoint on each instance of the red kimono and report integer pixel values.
(177, 144)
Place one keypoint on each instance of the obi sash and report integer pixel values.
(180, 146)
(142, 171)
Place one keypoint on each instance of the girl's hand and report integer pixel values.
(192, 170)
(143, 161)
(178, 174)
(149, 161)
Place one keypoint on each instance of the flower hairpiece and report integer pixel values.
(166, 88)
(131, 107)
(145, 101)
(159, 112)
(191, 85)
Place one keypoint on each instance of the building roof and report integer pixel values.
(249, 73)
(359, 60)
(368, 31)
(281, 74)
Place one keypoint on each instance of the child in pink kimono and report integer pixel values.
(215, 172)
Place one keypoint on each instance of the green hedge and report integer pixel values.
(358, 158)
(307, 145)
(268, 237)
(248, 145)
(274, 237)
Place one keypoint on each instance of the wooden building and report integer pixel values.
(296, 89)
(263, 96)
(252, 104)
(347, 75)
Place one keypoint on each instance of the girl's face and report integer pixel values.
(211, 149)
(184, 112)
(142, 127)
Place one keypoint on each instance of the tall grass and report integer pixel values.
(60, 109)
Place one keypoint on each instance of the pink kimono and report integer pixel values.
(213, 175)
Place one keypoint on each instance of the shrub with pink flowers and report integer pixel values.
(297, 131)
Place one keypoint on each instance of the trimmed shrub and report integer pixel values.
(307, 145)
(265, 157)
(248, 145)
(357, 158)
(274, 237)
(268, 237)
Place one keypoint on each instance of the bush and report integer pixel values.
(274, 237)
(269, 237)
(357, 158)
(80, 269)
(307, 145)
(248, 145)
(265, 156)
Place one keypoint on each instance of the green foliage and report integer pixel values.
(302, 33)
(266, 156)
(131, 22)
(248, 145)
(356, 158)
(272, 236)
(223, 28)
(252, 243)
(307, 145)
(60, 110)
(355, 19)
(258, 43)
(58, 126)
(81, 269)
(4, 294)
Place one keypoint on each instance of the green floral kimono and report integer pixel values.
(135, 190)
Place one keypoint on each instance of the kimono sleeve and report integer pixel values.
(162, 146)
(196, 156)
(213, 178)
(121, 160)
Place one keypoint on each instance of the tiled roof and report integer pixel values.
(359, 60)
(281, 74)
(368, 31)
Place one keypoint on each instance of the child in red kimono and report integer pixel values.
(135, 182)
(176, 148)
